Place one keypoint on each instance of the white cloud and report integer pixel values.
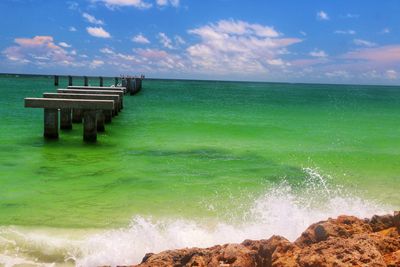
(179, 40)
(350, 32)
(72, 29)
(276, 62)
(64, 44)
(141, 4)
(391, 74)
(174, 3)
(165, 40)
(318, 53)
(106, 50)
(382, 55)
(237, 47)
(39, 50)
(72, 5)
(362, 42)
(96, 63)
(140, 39)
(385, 31)
(91, 19)
(303, 33)
(338, 74)
(98, 32)
(322, 15)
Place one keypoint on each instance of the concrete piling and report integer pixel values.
(50, 123)
(139, 83)
(108, 114)
(100, 121)
(94, 105)
(90, 125)
(66, 119)
(77, 115)
(129, 85)
(134, 86)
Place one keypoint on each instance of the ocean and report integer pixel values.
(192, 163)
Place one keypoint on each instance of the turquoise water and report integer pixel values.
(188, 161)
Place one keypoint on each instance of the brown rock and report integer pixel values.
(379, 223)
(396, 220)
(343, 227)
(345, 241)
(358, 251)
(393, 259)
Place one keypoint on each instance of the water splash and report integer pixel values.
(283, 209)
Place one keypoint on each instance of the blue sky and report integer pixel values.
(339, 41)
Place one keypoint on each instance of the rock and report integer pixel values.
(345, 241)
(379, 223)
(343, 227)
(360, 251)
(396, 220)
(393, 259)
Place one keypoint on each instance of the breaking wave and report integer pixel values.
(284, 209)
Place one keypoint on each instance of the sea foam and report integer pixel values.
(284, 209)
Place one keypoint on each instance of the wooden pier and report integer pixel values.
(94, 105)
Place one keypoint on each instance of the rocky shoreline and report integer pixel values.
(344, 241)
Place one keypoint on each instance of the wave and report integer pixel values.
(285, 209)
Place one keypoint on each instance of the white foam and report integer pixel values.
(285, 210)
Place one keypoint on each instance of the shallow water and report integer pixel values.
(189, 163)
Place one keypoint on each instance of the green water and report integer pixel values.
(194, 149)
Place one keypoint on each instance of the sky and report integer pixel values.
(341, 41)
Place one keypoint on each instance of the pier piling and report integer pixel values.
(66, 119)
(77, 115)
(90, 126)
(108, 114)
(95, 106)
(100, 121)
(50, 123)
(129, 85)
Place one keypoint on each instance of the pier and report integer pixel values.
(95, 106)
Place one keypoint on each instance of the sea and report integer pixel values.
(192, 163)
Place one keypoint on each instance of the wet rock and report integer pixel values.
(396, 220)
(379, 223)
(345, 241)
(343, 227)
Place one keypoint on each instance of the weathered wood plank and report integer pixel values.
(98, 88)
(102, 92)
(97, 92)
(69, 103)
(82, 96)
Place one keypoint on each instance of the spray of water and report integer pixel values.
(283, 209)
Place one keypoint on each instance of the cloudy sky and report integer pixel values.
(340, 41)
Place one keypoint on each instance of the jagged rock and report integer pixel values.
(379, 223)
(343, 227)
(345, 241)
